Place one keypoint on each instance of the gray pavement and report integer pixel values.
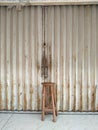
(30, 121)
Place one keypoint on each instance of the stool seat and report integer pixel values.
(51, 107)
(48, 83)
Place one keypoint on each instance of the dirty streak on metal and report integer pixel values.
(71, 37)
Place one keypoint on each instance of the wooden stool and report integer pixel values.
(50, 107)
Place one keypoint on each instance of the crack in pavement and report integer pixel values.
(6, 122)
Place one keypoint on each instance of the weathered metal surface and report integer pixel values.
(71, 34)
(71, 37)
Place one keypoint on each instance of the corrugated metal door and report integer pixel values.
(20, 58)
(71, 37)
(71, 34)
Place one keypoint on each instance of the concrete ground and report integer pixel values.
(30, 121)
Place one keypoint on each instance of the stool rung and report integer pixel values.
(48, 110)
(50, 107)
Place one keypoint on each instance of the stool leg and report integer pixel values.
(55, 101)
(43, 103)
(54, 115)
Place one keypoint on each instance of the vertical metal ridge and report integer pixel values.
(39, 56)
(67, 55)
(28, 13)
(24, 70)
(45, 37)
(89, 56)
(74, 36)
(63, 54)
(57, 52)
(96, 61)
(83, 71)
(0, 65)
(88, 53)
(85, 58)
(93, 34)
(70, 60)
(26, 62)
(23, 62)
(36, 55)
(77, 62)
(35, 58)
(14, 61)
(11, 55)
(20, 40)
(69, 42)
(5, 86)
(80, 55)
(74, 41)
(17, 59)
(49, 40)
(61, 64)
(77, 59)
(3, 69)
(30, 51)
(4, 104)
(8, 59)
(52, 45)
(34, 71)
